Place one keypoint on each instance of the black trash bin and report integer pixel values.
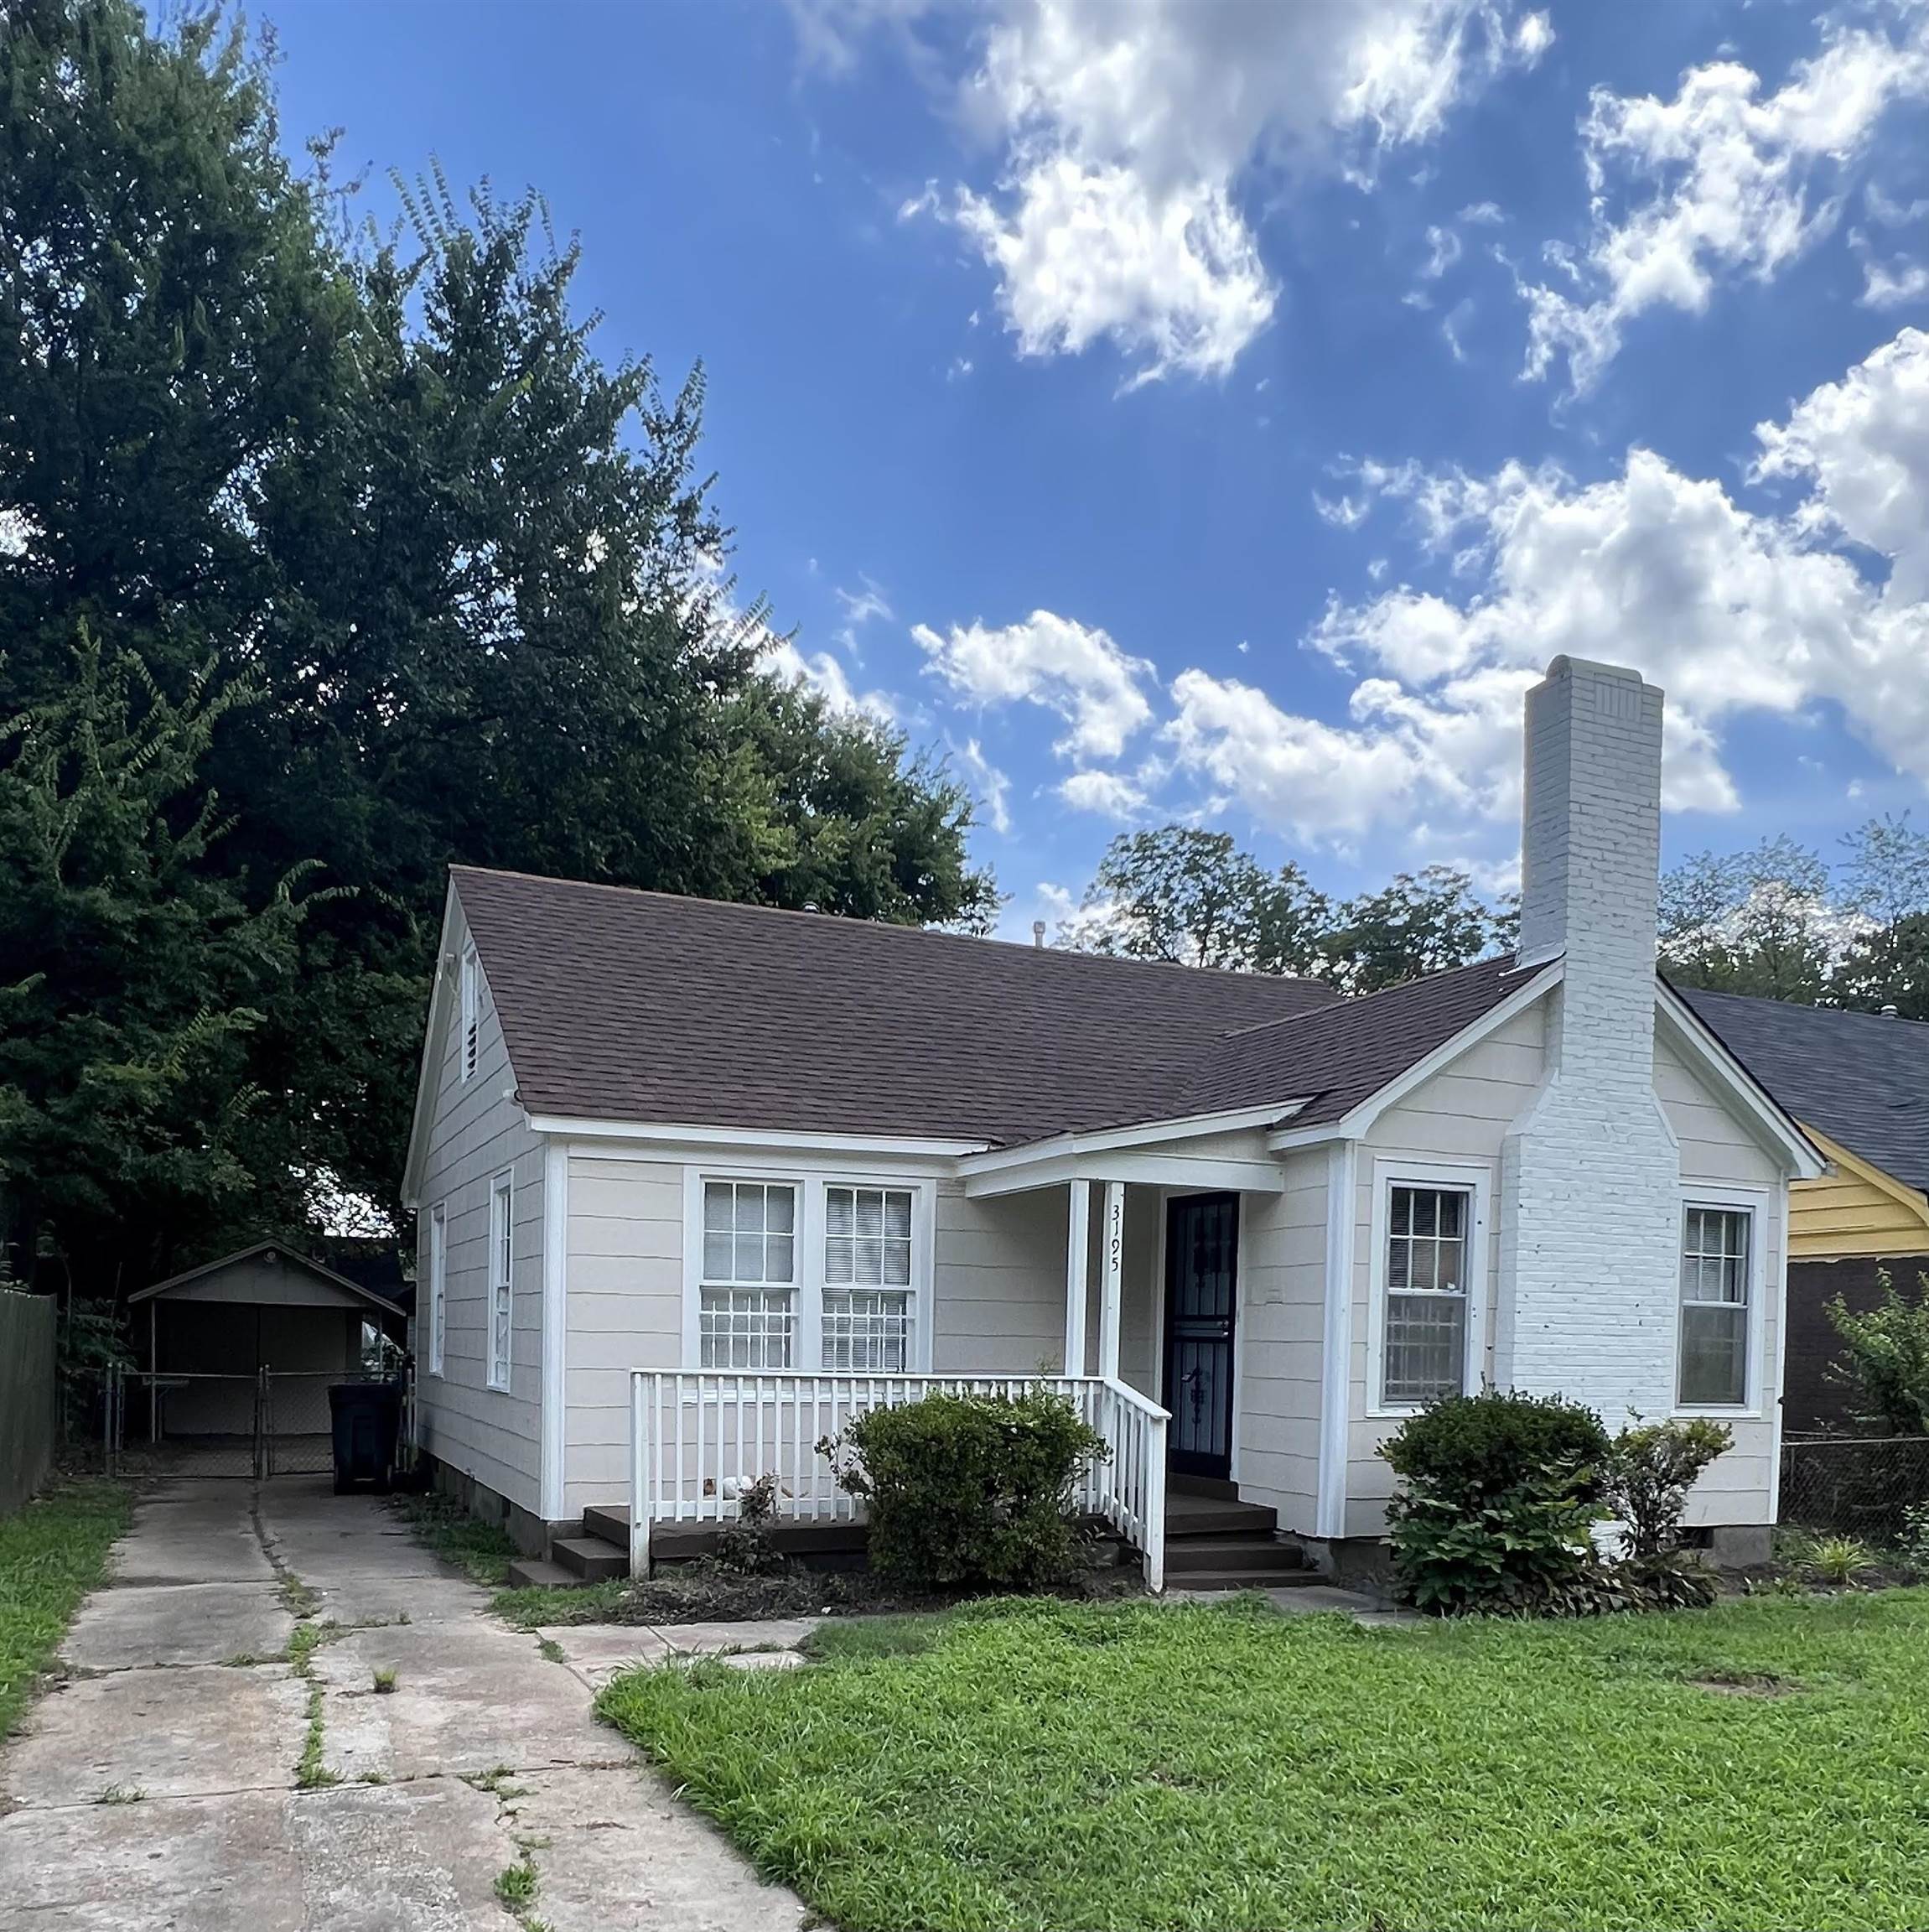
(365, 1420)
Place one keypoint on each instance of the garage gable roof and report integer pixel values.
(264, 1251)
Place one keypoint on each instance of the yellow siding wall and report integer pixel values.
(1856, 1210)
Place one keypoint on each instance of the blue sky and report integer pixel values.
(1217, 411)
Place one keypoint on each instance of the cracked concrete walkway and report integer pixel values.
(155, 1790)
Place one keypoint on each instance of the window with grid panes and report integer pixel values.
(1425, 1330)
(868, 1310)
(501, 1289)
(747, 1313)
(1714, 1270)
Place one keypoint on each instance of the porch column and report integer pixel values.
(1077, 1245)
(1112, 1279)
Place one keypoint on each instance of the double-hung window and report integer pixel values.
(1429, 1233)
(437, 1286)
(869, 1301)
(501, 1292)
(1716, 1261)
(747, 1316)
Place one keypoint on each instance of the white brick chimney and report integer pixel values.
(1590, 1189)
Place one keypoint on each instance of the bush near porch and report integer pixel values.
(1757, 1765)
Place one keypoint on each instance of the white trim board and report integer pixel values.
(659, 1134)
(1336, 1338)
(555, 1414)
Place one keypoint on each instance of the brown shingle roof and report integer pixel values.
(624, 1005)
(1343, 1054)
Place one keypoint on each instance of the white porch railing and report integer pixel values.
(698, 1438)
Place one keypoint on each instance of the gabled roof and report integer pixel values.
(266, 1250)
(1343, 1054)
(624, 1006)
(1861, 1078)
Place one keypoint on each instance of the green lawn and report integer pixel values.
(52, 1553)
(1076, 1767)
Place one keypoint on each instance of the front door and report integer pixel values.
(1201, 1292)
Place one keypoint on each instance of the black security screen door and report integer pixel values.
(1201, 1269)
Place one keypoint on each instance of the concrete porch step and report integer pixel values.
(1185, 1553)
(590, 1557)
(1189, 1516)
(533, 1573)
(609, 1522)
(1280, 1579)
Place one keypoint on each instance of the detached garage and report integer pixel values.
(241, 1354)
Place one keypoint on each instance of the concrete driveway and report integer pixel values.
(187, 1775)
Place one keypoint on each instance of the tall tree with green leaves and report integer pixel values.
(475, 568)
(1181, 893)
(1422, 922)
(1758, 921)
(132, 975)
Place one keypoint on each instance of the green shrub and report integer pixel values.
(1651, 1467)
(1500, 1492)
(1465, 1447)
(1844, 1560)
(1884, 1368)
(1912, 1550)
(969, 1489)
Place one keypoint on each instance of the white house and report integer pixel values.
(696, 1180)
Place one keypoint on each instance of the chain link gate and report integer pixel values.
(266, 1423)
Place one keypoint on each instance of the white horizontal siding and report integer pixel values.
(477, 1130)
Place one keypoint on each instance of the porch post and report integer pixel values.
(1077, 1245)
(1112, 1279)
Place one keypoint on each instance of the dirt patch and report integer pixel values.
(1747, 1684)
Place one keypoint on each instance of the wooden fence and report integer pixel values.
(26, 1395)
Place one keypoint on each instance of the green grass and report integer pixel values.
(482, 1551)
(1048, 1765)
(591, 1603)
(52, 1553)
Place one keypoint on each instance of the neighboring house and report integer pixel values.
(694, 1180)
(1858, 1082)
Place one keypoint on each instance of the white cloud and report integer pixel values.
(1127, 126)
(1733, 610)
(822, 673)
(992, 787)
(1174, 280)
(1110, 794)
(1073, 669)
(1721, 179)
(860, 606)
(1893, 284)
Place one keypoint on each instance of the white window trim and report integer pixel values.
(1476, 1179)
(1756, 1203)
(437, 1286)
(808, 1284)
(468, 1042)
(502, 1200)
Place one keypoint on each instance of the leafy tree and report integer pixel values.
(132, 978)
(1885, 886)
(475, 570)
(1759, 921)
(1885, 1363)
(1422, 922)
(1179, 892)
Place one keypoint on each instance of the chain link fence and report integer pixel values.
(271, 1422)
(1853, 1486)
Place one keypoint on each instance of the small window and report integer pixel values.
(747, 1314)
(1715, 1260)
(437, 1286)
(1426, 1316)
(868, 1304)
(471, 1012)
(501, 1290)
